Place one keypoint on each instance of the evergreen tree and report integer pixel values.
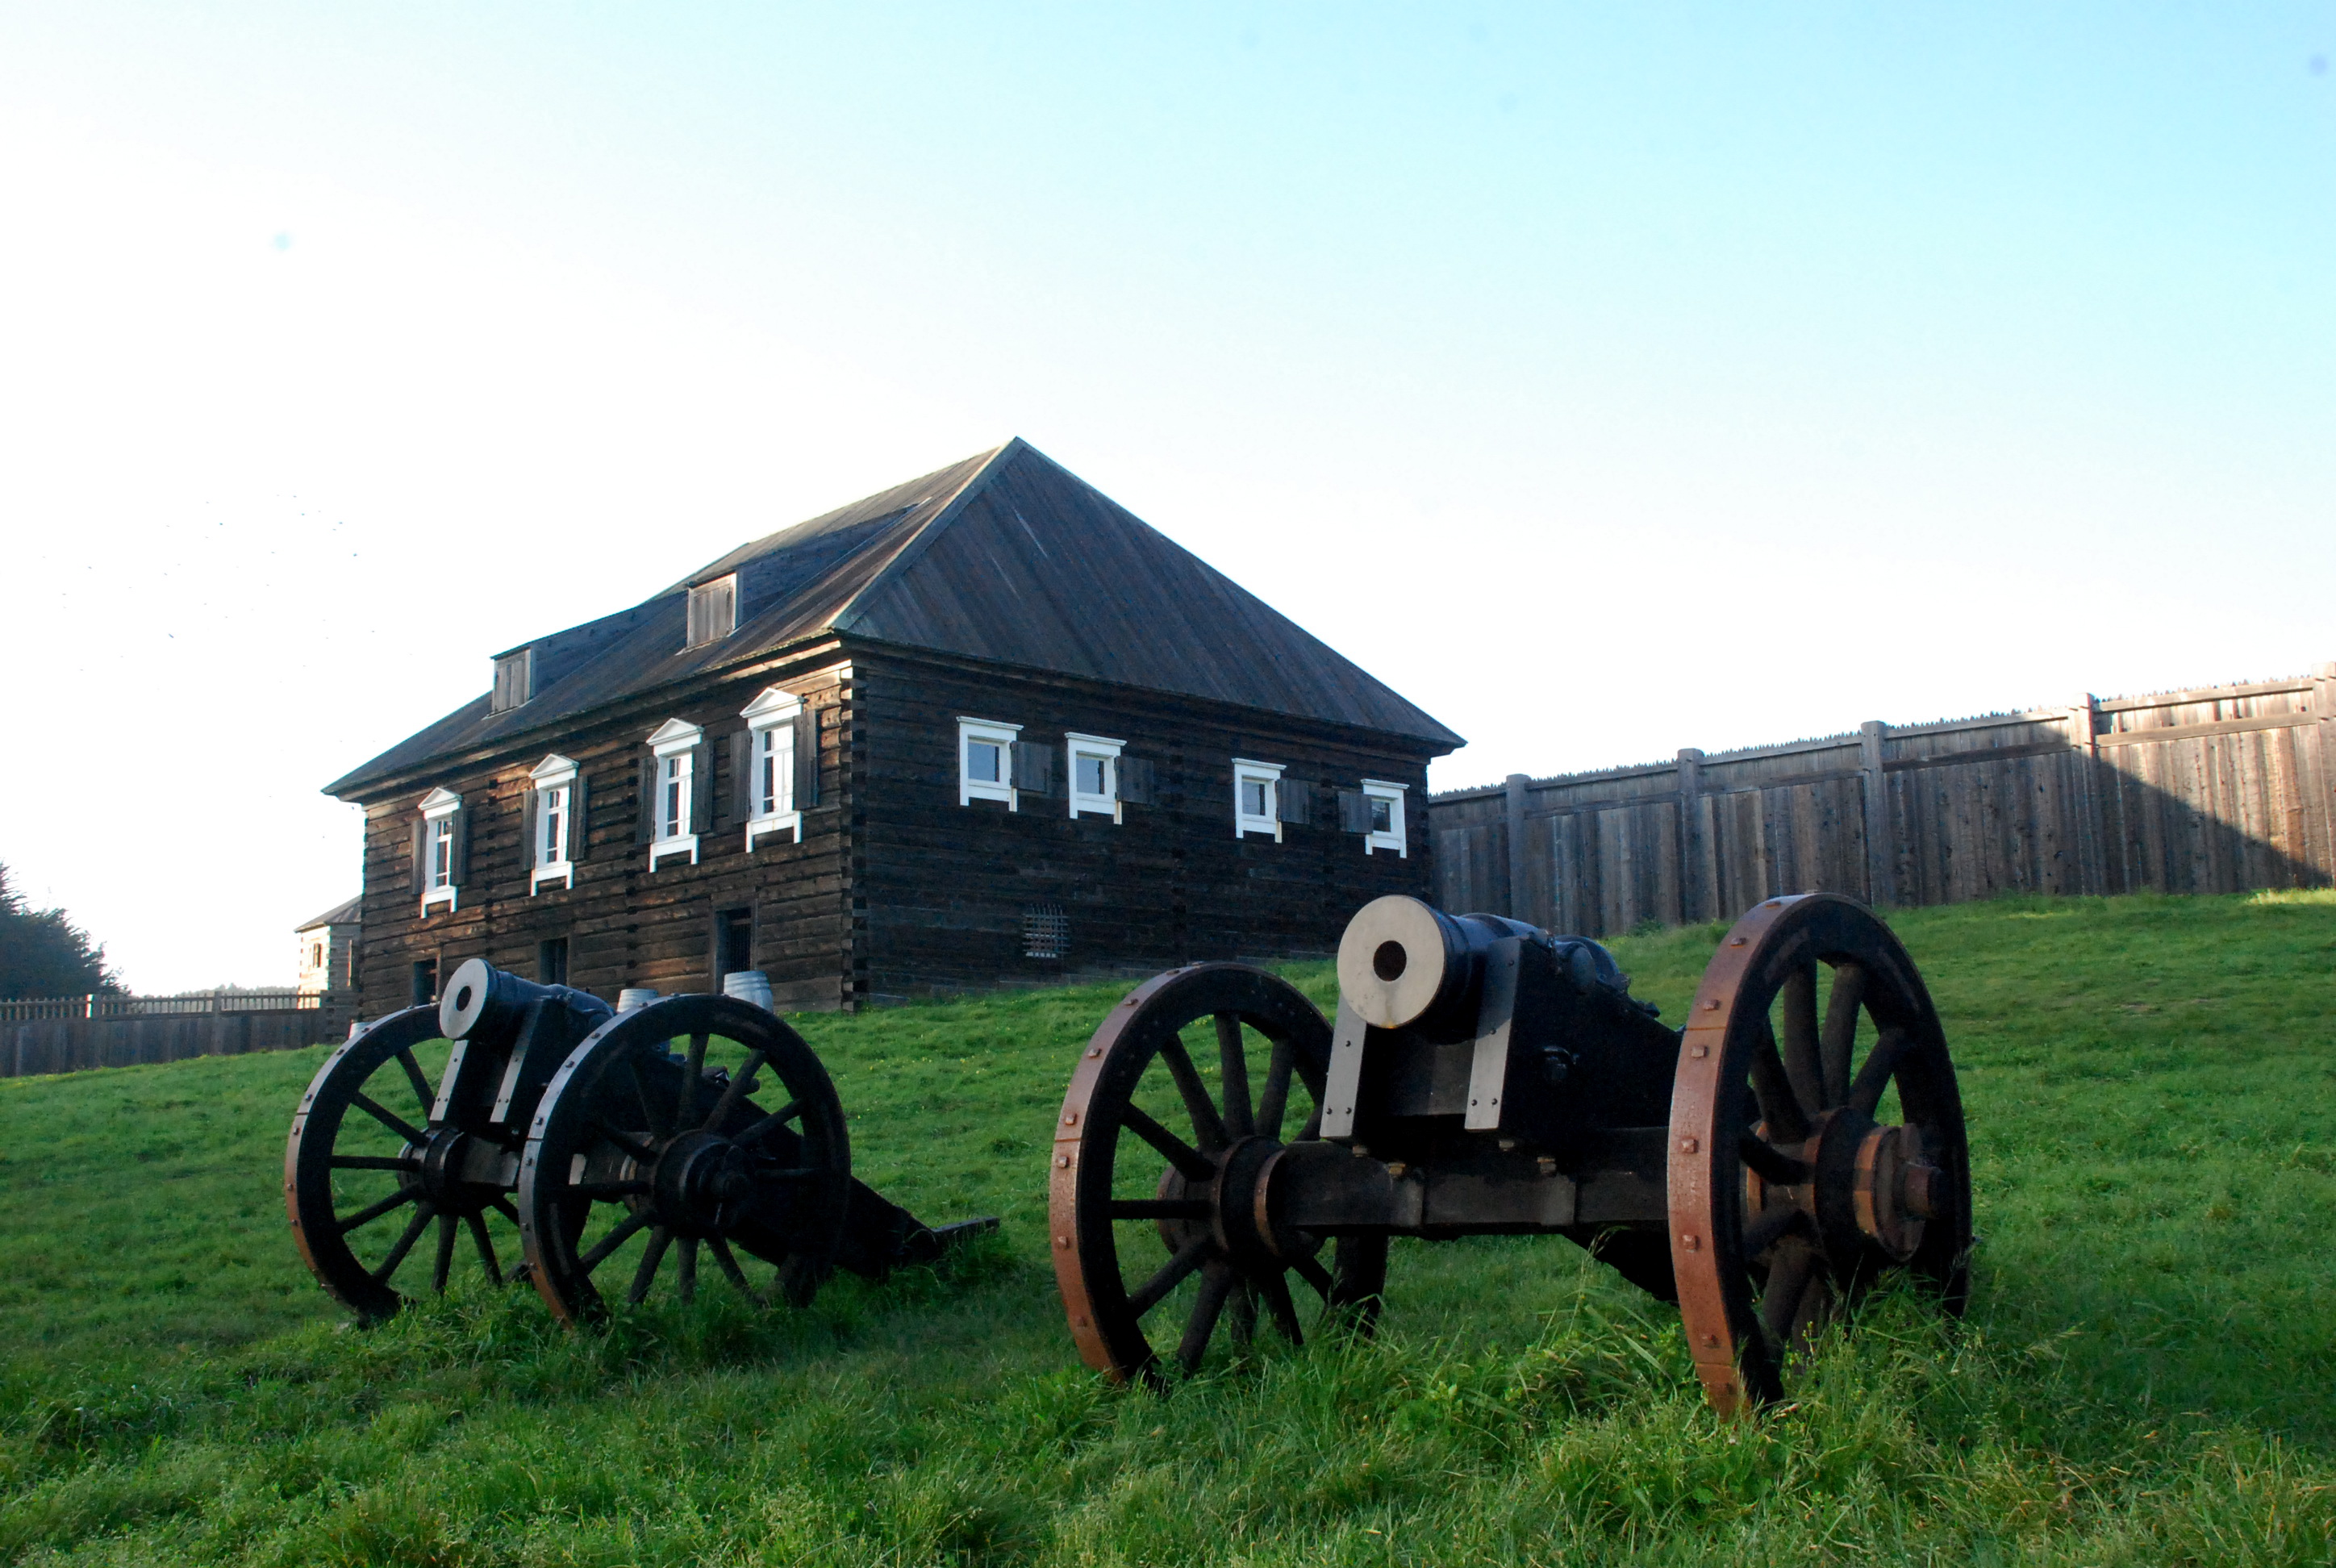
(43, 954)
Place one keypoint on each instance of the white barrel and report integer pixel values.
(749, 985)
(633, 997)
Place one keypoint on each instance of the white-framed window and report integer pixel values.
(550, 854)
(1257, 798)
(713, 610)
(1094, 781)
(770, 783)
(1383, 802)
(442, 850)
(984, 761)
(677, 748)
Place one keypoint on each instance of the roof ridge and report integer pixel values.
(921, 540)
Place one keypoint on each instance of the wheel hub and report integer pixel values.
(444, 1154)
(700, 1179)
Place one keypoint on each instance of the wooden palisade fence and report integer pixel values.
(2218, 789)
(67, 1034)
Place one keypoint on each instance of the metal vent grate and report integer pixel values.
(1045, 933)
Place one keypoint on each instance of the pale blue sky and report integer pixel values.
(1608, 380)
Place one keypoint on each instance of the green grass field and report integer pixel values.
(2148, 1374)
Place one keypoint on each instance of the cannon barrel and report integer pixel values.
(1406, 964)
(484, 1003)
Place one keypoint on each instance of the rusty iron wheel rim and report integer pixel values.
(617, 1151)
(394, 1207)
(1186, 1210)
(1771, 1233)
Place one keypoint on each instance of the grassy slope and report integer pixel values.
(2149, 1375)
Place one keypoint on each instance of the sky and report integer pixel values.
(1606, 379)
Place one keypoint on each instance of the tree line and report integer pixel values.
(42, 953)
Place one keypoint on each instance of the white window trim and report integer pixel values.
(553, 773)
(1244, 771)
(1075, 745)
(1000, 734)
(436, 807)
(1394, 837)
(670, 739)
(773, 709)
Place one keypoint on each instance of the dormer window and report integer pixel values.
(713, 610)
(514, 680)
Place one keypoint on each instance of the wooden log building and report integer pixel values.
(985, 726)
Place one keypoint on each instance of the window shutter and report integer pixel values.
(1293, 802)
(701, 787)
(1034, 769)
(1353, 812)
(644, 819)
(531, 820)
(421, 856)
(580, 826)
(806, 758)
(462, 845)
(1136, 785)
(742, 779)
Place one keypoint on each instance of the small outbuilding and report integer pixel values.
(328, 949)
(987, 726)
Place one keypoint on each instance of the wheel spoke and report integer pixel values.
(372, 1212)
(448, 1229)
(373, 1162)
(1773, 1087)
(1772, 1165)
(387, 1118)
(1801, 1064)
(1839, 1040)
(502, 1206)
(1215, 1285)
(651, 1256)
(1766, 1228)
(730, 1269)
(1880, 1065)
(1244, 1323)
(1157, 1209)
(649, 1117)
(624, 1141)
(1274, 1103)
(685, 1271)
(423, 1215)
(739, 1087)
(421, 1085)
(1316, 1275)
(1207, 1124)
(1189, 1257)
(1313, 1128)
(1195, 1164)
(1233, 1071)
(1275, 1288)
(1788, 1280)
(771, 1124)
(693, 1078)
(614, 1239)
(486, 1246)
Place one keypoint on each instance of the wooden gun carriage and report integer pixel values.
(1798, 1136)
(581, 1128)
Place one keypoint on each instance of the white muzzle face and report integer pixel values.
(1392, 961)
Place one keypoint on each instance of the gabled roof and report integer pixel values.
(1005, 557)
(341, 914)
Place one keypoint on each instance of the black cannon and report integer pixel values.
(581, 1129)
(1801, 1134)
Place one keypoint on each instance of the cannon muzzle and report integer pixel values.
(484, 1003)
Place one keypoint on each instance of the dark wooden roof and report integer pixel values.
(1005, 557)
(347, 913)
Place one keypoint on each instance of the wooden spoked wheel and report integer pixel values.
(1161, 1165)
(368, 1175)
(649, 1147)
(1817, 1140)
